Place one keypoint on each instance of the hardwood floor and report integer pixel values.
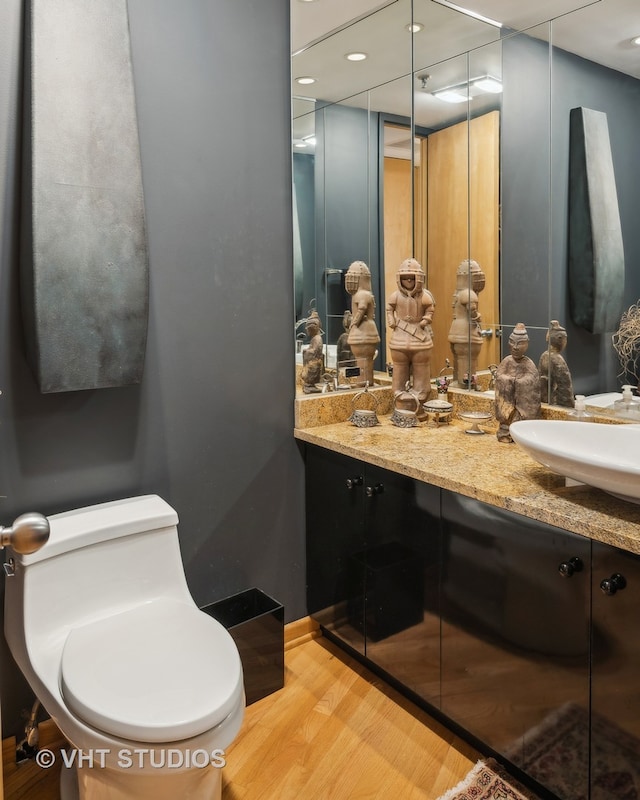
(337, 732)
(334, 732)
(27, 780)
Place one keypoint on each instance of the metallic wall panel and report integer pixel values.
(596, 250)
(84, 265)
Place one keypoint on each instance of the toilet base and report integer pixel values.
(84, 783)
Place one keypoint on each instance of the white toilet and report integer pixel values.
(147, 687)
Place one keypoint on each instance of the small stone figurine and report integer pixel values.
(312, 356)
(409, 315)
(363, 338)
(343, 351)
(465, 335)
(556, 386)
(517, 385)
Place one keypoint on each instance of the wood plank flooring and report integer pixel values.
(337, 732)
(27, 780)
(334, 732)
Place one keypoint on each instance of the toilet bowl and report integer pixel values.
(146, 688)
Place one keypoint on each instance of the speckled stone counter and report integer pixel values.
(327, 407)
(502, 475)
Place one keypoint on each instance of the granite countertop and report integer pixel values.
(500, 474)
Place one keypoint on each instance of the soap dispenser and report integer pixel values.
(579, 412)
(628, 406)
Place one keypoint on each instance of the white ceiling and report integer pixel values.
(322, 31)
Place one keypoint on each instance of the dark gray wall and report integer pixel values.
(210, 427)
(578, 82)
(346, 172)
(535, 191)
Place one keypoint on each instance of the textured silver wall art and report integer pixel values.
(84, 260)
(596, 251)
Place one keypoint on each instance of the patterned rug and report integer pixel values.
(488, 781)
(556, 754)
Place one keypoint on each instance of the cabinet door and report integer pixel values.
(400, 567)
(515, 635)
(615, 676)
(335, 534)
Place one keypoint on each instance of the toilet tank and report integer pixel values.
(98, 561)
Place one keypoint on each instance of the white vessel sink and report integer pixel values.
(604, 456)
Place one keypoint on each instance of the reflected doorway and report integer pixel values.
(443, 207)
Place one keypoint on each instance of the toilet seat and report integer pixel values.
(160, 672)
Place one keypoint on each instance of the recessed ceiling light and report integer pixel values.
(488, 84)
(636, 40)
(414, 27)
(452, 95)
(465, 91)
(305, 79)
(355, 56)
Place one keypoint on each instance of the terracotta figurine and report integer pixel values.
(409, 315)
(556, 386)
(363, 337)
(343, 351)
(465, 333)
(517, 385)
(312, 356)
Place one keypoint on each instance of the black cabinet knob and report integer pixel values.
(357, 481)
(567, 568)
(377, 489)
(613, 584)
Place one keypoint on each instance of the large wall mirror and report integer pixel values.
(450, 143)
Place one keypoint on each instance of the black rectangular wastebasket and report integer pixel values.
(256, 623)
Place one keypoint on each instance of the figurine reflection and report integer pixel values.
(465, 335)
(363, 337)
(556, 386)
(343, 351)
(312, 356)
(517, 385)
(409, 315)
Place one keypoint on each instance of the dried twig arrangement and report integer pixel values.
(626, 342)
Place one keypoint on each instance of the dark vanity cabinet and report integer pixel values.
(372, 565)
(615, 674)
(515, 635)
(522, 634)
(335, 535)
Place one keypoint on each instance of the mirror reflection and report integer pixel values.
(449, 143)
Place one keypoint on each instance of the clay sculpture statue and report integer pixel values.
(556, 386)
(312, 356)
(517, 385)
(363, 337)
(409, 315)
(465, 334)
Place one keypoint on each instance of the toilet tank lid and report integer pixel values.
(81, 527)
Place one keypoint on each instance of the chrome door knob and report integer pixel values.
(27, 534)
